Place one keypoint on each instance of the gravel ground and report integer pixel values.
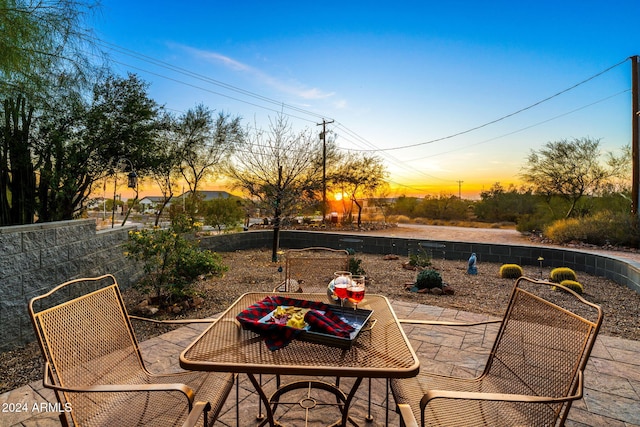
(252, 270)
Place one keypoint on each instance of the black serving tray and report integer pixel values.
(356, 318)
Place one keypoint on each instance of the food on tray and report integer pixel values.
(290, 316)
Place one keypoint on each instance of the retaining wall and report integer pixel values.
(623, 271)
(35, 258)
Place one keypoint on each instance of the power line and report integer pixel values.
(527, 127)
(505, 116)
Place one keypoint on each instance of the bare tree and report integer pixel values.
(279, 169)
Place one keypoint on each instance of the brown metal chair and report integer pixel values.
(94, 365)
(311, 269)
(533, 373)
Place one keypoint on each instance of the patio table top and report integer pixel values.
(381, 352)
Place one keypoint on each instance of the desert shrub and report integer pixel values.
(428, 279)
(601, 228)
(571, 284)
(400, 219)
(422, 258)
(510, 271)
(559, 274)
(171, 262)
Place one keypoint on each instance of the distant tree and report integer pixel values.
(499, 204)
(569, 169)
(206, 144)
(278, 170)
(165, 170)
(223, 212)
(357, 176)
(443, 207)
(405, 205)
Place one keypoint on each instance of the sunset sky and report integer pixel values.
(443, 92)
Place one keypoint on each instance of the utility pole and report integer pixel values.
(323, 137)
(460, 189)
(635, 136)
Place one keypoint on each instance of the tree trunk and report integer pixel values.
(359, 211)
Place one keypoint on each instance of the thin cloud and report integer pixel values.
(296, 89)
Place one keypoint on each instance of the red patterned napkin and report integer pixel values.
(277, 336)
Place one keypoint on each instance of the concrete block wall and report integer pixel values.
(35, 258)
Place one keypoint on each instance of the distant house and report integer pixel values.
(151, 203)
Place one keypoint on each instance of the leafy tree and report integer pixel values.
(43, 44)
(279, 171)
(357, 176)
(569, 169)
(86, 142)
(206, 143)
(223, 212)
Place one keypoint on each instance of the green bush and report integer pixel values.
(171, 262)
(559, 274)
(571, 284)
(355, 267)
(428, 279)
(510, 271)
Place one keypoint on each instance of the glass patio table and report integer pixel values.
(380, 351)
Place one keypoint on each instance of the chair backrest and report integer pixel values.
(545, 339)
(86, 337)
(311, 269)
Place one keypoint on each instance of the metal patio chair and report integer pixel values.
(94, 365)
(311, 269)
(533, 374)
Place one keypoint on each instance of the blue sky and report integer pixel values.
(396, 74)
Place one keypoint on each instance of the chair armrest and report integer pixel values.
(115, 388)
(504, 397)
(174, 322)
(198, 409)
(446, 322)
(407, 415)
